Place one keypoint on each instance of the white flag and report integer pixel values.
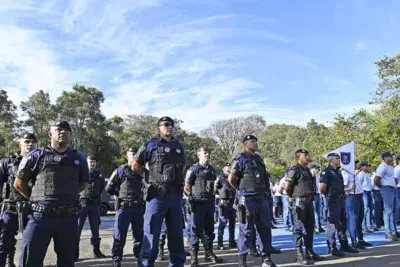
(347, 157)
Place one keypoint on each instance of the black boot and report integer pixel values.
(254, 252)
(97, 253)
(161, 252)
(209, 255)
(311, 255)
(300, 258)
(242, 261)
(336, 252)
(232, 244)
(345, 247)
(194, 261)
(10, 260)
(267, 261)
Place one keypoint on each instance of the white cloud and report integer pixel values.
(360, 45)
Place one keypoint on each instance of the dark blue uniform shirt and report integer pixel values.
(117, 178)
(242, 164)
(147, 152)
(32, 163)
(334, 180)
(195, 170)
(4, 169)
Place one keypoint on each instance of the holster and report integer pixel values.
(150, 192)
(242, 214)
(191, 203)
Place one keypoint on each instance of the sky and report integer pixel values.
(201, 61)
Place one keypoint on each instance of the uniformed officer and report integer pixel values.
(315, 171)
(250, 177)
(11, 199)
(52, 178)
(227, 213)
(90, 199)
(127, 186)
(332, 187)
(199, 186)
(166, 158)
(300, 187)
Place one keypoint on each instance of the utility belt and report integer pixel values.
(11, 206)
(87, 201)
(60, 211)
(297, 200)
(131, 204)
(255, 197)
(226, 201)
(337, 196)
(154, 190)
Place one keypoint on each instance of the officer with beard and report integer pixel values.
(90, 200)
(227, 213)
(11, 199)
(163, 194)
(200, 179)
(52, 178)
(300, 187)
(250, 177)
(127, 185)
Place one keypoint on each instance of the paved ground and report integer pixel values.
(382, 254)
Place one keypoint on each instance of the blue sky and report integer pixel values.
(289, 61)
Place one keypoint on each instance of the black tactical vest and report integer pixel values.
(58, 179)
(93, 189)
(255, 178)
(131, 186)
(168, 166)
(304, 184)
(204, 183)
(9, 191)
(227, 191)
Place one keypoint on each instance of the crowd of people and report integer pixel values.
(47, 193)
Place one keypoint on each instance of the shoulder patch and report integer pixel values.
(323, 173)
(291, 173)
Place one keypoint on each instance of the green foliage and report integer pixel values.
(108, 139)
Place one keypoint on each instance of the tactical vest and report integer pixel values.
(168, 166)
(58, 179)
(131, 186)
(204, 183)
(227, 191)
(304, 185)
(93, 189)
(9, 191)
(255, 178)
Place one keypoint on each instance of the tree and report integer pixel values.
(8, 120)
(317, 141)
(229, 133)
(40, 113)
(7, 109)
(389, 73)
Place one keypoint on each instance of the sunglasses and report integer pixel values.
(167, 124)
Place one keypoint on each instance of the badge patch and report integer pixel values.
(167, 149)
(178, 151)
(50, 158)
(77, 162)
(57, 158)
(291, 173)
(345, 157)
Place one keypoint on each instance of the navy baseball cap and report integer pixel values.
(387, 154)
(314, 166)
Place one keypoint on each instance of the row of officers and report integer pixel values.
(49, 189)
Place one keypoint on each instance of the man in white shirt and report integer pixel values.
(367, 196)
(397, 177)
(315, 171)
(288, 220)
(385, 180)
(277, 201)
(377, 203)
(354, 209)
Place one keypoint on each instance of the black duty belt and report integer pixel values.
(337, 196)
(255, 198)
(61, 211)
(132, 204)
(12, 206)
(86, 201)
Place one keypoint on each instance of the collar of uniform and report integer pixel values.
(159, 138)
(65, 152)
(301, 166)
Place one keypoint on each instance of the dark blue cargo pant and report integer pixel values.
(41, 228)
(91, 211)
(8, 231)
